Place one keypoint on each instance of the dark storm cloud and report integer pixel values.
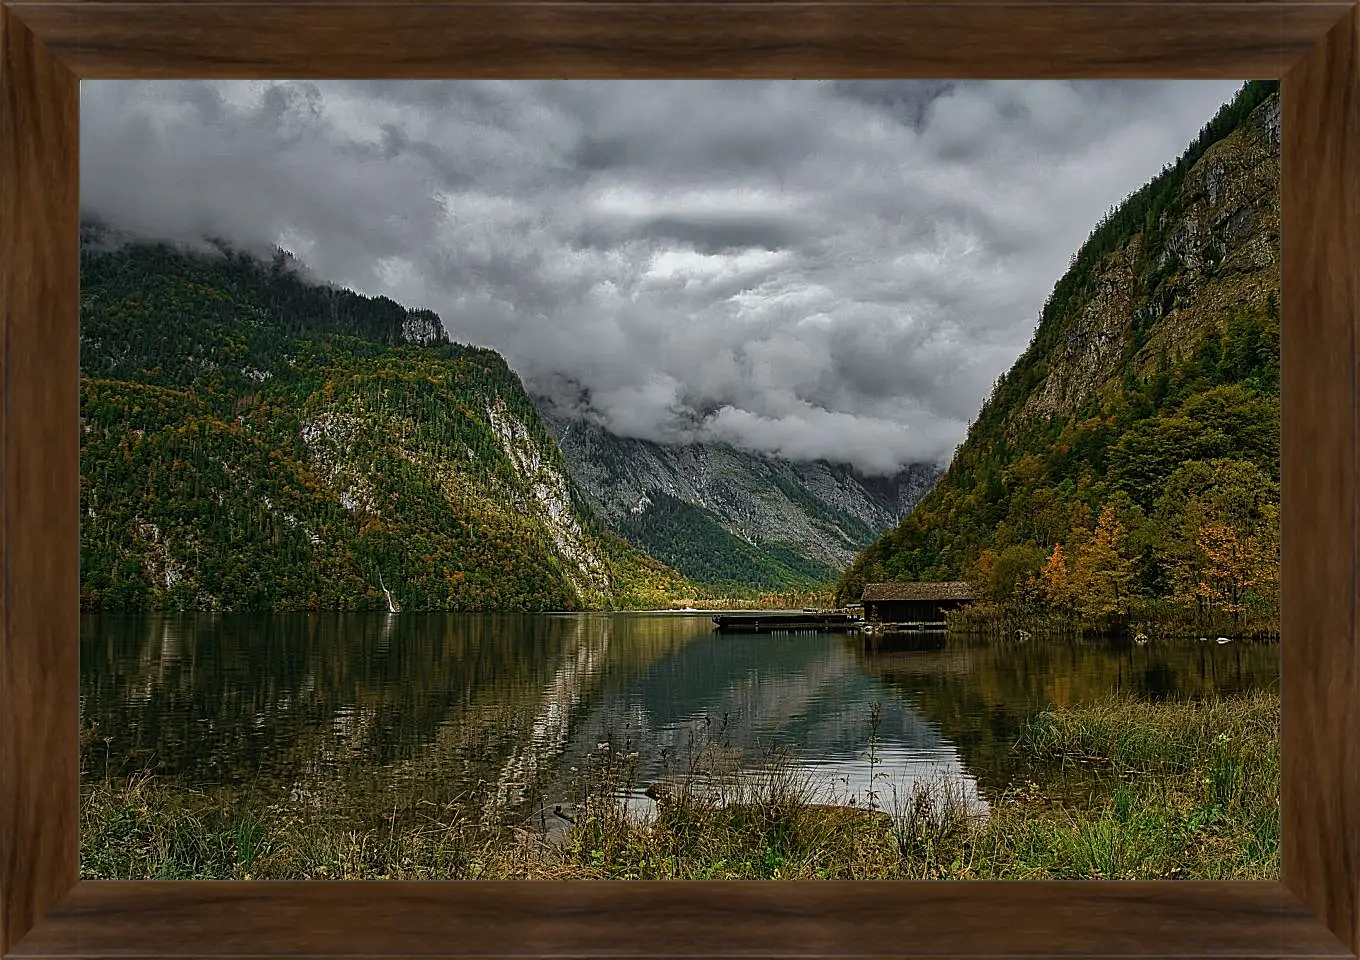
(818, 270)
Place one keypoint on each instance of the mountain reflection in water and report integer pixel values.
(504, 707)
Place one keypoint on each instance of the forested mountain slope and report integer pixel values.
(726, 516)
(1131, 454)
(253, 441)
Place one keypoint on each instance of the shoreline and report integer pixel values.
(1120, 788)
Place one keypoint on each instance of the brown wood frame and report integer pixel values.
(46, 46)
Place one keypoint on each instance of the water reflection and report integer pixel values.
(797, 700)
(503, 707)
(574, 677)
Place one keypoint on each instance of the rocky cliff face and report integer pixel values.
(824, 512)
(1219, 252)
(423, 327)
(548, 500)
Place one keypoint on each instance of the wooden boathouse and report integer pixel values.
(913, 606)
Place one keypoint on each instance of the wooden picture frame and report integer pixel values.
(46, 47)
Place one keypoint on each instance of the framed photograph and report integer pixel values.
(498, 480)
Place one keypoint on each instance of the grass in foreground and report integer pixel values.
(1122, 789)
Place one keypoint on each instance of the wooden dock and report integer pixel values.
(916, 626)
(785, 621)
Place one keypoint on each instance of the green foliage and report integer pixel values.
(254, 442)
(997, 576)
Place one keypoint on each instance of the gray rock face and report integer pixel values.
(423, 327)
(1220, 253)
(827, 512)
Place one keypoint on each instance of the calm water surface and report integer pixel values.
(510, 707)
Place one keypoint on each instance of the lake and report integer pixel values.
(510, 709)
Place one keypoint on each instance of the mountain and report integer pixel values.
(255, 441)
(1131, 454)
(729, 517)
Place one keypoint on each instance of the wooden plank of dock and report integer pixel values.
(770, 622)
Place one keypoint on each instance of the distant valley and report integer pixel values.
(719, 514)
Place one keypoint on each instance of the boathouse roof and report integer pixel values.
(945, 590)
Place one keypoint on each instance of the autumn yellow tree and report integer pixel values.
(1221, 536)
(1054, 582)
(1234, 565)
(1268, 537)
(1103, 577)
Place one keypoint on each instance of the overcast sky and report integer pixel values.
(814, 270)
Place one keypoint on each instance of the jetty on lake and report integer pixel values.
(919, 607)
(786, 621)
